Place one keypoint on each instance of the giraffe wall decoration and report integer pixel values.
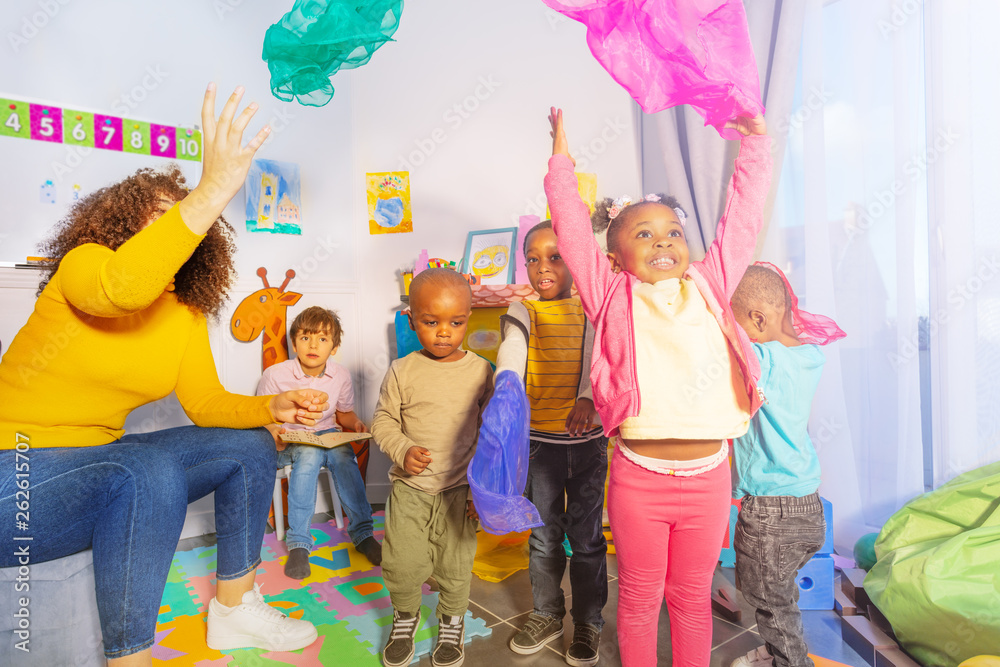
(264, 312)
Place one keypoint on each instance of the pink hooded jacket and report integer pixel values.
(607, 296)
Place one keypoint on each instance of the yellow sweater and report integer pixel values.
(105, 338)
(555, 357)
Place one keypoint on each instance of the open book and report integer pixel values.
(327, 440)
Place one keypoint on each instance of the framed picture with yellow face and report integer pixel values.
(489, 254)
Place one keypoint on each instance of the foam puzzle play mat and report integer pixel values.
(345, 597)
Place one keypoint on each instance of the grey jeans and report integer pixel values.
(775, 536)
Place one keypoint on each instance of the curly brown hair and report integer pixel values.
(114, 214)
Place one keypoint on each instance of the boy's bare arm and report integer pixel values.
(351, 422)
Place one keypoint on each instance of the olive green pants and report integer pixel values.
(428, 535)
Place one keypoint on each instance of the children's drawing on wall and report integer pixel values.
(389, 202)
(47, 193)
(586, 185)
(482, 335)
(488, 255)
(274, 197)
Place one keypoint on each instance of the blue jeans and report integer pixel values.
(127, 500)
(306, 460)
(774, 537)
(566, 484)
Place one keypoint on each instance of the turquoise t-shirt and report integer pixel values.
(776, 456)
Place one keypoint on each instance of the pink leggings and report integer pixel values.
(668, 533)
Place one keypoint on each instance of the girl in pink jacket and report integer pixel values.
(673, 376)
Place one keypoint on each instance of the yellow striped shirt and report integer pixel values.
(555, 356)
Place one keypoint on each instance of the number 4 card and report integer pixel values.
(14, 119)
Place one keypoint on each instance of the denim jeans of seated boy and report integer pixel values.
(128, 500)
(774, 537)
(566, 484)
(306, 461)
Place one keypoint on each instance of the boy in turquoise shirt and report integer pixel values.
(781, 523)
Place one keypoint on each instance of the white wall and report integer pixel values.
(461, 95)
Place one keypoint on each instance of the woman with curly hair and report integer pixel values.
(120, 321)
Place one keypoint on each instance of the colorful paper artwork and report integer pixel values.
(586, 185)
(47, 193)
(273, 197)
(488, 254)
(389, 202)
(482, 335)
(41, 122)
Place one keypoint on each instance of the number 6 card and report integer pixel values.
(78, 128)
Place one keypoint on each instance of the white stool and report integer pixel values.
(279, 509)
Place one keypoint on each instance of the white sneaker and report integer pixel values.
(759, 657)
(256, 624)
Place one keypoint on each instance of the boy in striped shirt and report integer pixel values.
(548, 343)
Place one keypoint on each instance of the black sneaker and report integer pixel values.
(399, 649)
(584, 650)
(297, 565)
(371, 549)
(537, 631)
(450, 649)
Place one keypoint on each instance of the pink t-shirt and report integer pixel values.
(335, 381)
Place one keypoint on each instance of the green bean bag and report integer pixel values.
(937, 578)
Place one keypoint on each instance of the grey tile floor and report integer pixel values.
(506, 605)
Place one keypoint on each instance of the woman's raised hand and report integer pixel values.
(225, 160)
(558, 134)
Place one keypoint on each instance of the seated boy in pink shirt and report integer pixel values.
(316, 334)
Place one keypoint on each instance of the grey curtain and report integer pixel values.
(682, 157)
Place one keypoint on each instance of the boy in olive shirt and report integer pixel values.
(427, 421)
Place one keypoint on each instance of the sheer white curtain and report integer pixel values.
(963, 101)
(849, 226)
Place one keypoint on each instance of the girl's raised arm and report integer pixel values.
(731, 252)
(571, 223)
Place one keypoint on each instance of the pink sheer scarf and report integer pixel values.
(670, 52)
(809, 327)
